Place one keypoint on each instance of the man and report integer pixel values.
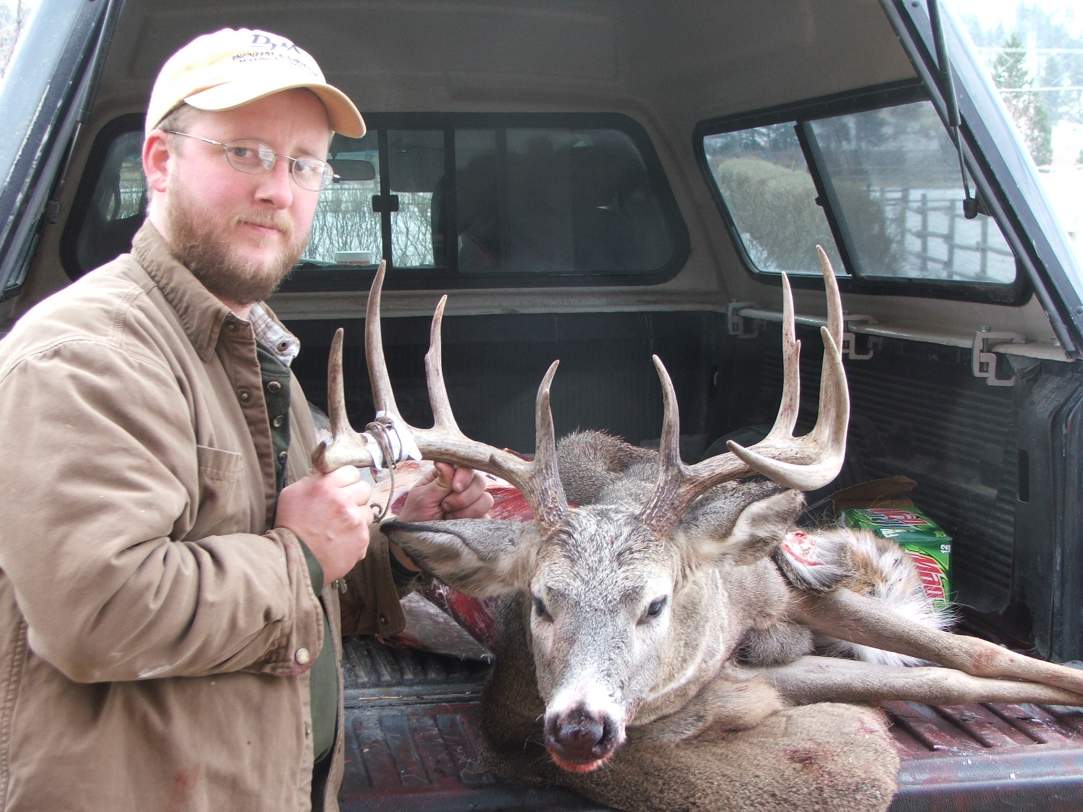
(171, 632)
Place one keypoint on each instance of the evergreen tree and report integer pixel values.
(1026, 106)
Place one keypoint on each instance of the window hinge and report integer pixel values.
(983, 360)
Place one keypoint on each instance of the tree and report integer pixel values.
(1010, 74)
(12, 22)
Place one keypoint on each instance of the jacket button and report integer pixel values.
(383, 619)
(282, 457)
(278, 421)
(244, 395)
(274, 387)
(302, 656)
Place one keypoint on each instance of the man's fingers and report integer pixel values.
(478, 509)
(357, 493)
(463, 479)
(468, 492)
(445, 474)
(451, 493)
(346, 475)
(331, 514)
(362, 514)
(471, 504)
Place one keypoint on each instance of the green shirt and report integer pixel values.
(323, 679)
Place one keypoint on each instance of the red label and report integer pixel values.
(903, 517)
(930, 573)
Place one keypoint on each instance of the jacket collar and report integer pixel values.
(200, 312)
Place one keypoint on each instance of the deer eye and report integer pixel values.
(655, 608)
(539, 608)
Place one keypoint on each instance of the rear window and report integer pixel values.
(455, 200)
(875, 179)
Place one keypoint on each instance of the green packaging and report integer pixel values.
(923, 539)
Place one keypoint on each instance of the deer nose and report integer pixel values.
(580, 735)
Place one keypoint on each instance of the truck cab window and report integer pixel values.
(536, 199)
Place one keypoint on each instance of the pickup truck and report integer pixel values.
(600, 180)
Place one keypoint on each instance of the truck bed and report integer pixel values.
(413, 729)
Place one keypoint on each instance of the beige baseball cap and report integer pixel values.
(234, 67)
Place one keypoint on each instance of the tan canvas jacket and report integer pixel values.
(155, 631)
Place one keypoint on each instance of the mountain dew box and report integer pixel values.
(884, 506)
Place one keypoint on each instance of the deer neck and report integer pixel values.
(716, 608)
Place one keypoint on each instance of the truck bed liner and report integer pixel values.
(413, 730)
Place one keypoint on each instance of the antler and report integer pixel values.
(804, 463)
(539, 479)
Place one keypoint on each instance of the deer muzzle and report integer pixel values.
(581, 739)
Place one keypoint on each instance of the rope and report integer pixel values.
(381, 430)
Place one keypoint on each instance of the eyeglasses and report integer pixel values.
(255, 158)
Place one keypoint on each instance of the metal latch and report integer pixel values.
(983, 361)
(738, 325)
(849, 339)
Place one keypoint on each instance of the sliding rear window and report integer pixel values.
(452, 201)
(874, 178)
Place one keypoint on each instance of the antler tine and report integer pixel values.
(336, 389)
(383, 396)
(833, 396)
(346, 446)
(547, 491)
(790, 402)
(804, 463)
(669, 445)
(443, 417)
(815, 459)
(658, 511)
(812, 461)
(834, 301)
(539, 480)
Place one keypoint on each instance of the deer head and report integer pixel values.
(638, 594)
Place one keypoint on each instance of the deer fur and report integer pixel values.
(699, 703)
(690, 725)
(655, 646)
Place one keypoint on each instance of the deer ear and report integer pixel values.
(481, 557)
(711, 534)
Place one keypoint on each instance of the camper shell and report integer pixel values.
(603, 180)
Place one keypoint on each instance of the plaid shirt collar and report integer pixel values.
(278, 341)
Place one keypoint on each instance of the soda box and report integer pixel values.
(884, 506)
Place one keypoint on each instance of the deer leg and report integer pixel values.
(812, 679)
(849, 616)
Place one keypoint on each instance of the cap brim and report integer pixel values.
(343, 115)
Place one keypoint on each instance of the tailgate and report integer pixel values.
(413, 731)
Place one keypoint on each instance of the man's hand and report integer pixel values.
(331, 515)
(447, 492)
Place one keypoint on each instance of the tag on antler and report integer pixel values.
(389, 440)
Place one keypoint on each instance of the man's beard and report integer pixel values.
(201, 242)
